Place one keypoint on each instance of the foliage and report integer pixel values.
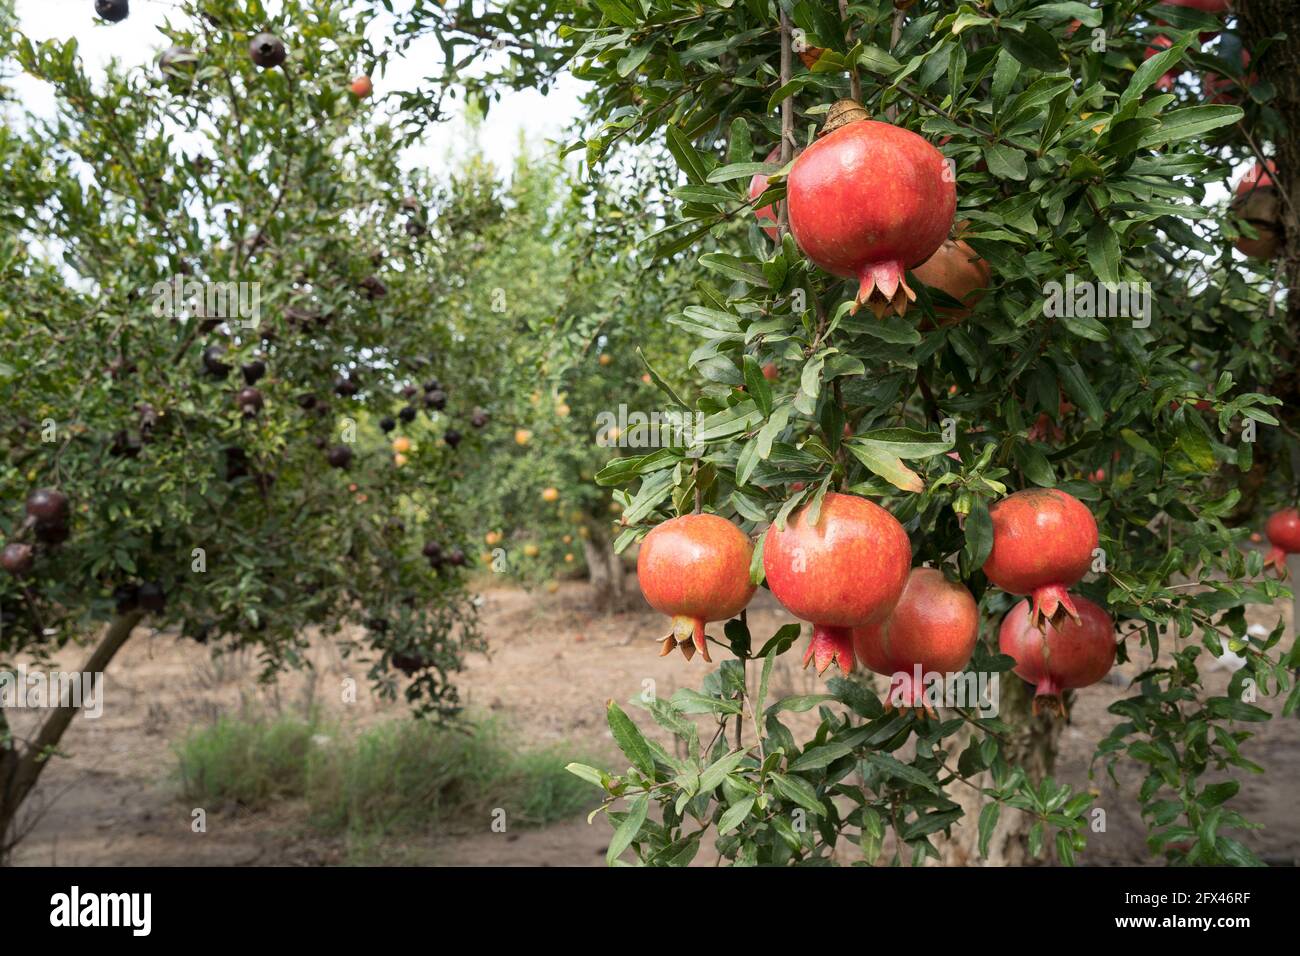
(1069, 162)
(221, 172)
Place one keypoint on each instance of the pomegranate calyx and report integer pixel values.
(1048, 695)
(1052, 605)
(907, 692)
(842, 113)
(830, 645)
(1277, 561)
(687, 634)
(884, 289)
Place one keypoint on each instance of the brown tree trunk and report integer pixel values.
(611, 590)
(21, 765)
(1032, 745)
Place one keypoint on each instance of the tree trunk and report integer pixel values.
(610, 589)
(1032, 744)
(21, 766)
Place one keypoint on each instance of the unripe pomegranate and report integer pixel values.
(1067, 656)
(958, 271)
(695, 569)
(1257, 202)
(847, 570)
(932, 629)
(1043, 541)
(758, 186)
(869, 201)
(1283, 530)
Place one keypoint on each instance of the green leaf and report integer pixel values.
(979, 534)
(630, 739)
(628, 829)
(880, 461)
(735, 815)
(988, 822)
(713, 774)
(799, 791)
(734, 268)
(1034, 47)
(1103, 251)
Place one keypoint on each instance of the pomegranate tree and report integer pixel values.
(695, 569)
(841, 568)
(932, 630)
(1043, 542)
(869, 201)
(1064, 656)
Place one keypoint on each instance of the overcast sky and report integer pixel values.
(136, 41)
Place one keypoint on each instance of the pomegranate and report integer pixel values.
(1067, 656)
(758, 186)
(869, 201)
(1043, 541)
(695, 569)
(847, 570)
(932, 629)
(1258, 203)
(1283, 530)
(956, 270)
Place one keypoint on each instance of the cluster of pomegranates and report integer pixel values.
(847, 570)
(47, 515)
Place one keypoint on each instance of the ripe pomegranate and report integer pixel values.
(758, 186)
(869, 201)
(958, 271)
(932, 629)
(845, 571)
(362, 87)
(1257, 202)
(1067, 656)
(1283, 530)
(695, 569)
(1043, 541)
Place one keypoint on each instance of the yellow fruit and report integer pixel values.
(552, 587)
(562, 410)
(535, 397)
(401, 445)
(605, 358)
(399, 460)
(530, 551)
(523, 436)
(567, 539)
(492, 537)
(486, 557)
(583, 532)
(568, 559)
(550, 494)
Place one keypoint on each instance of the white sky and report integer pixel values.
(136, 42)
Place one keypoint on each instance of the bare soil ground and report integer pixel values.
(552, 665)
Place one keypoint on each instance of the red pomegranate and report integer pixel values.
(1043, 541)
(695, 569)
(846, 570)
(869, 201)
(1067, 656)
(1283, 530)
(932, 629)
(758, 186)
(958, 271)
(1258, 203)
